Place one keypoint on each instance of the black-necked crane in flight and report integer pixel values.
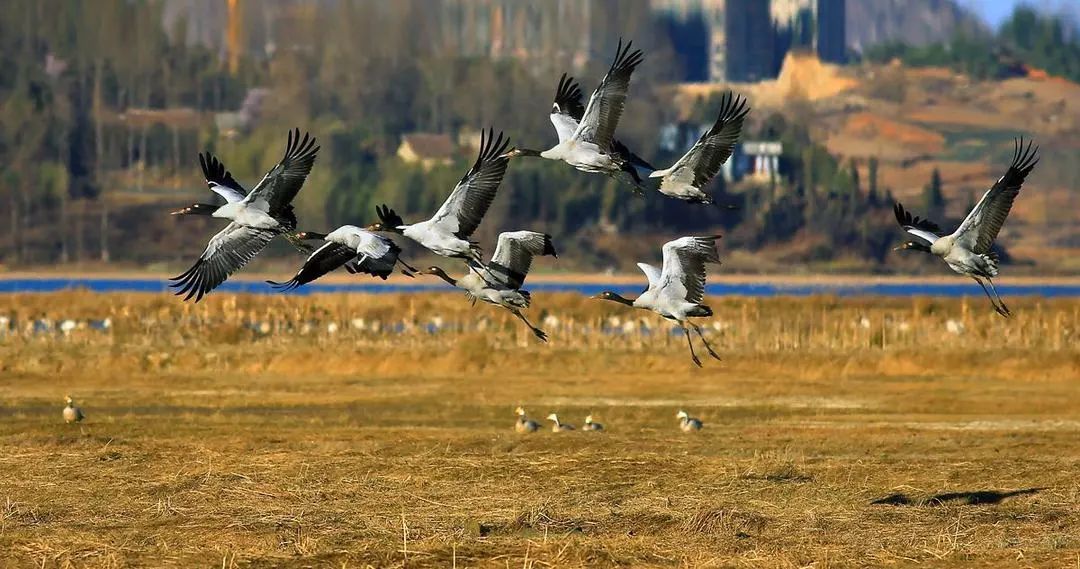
(254, 218)
(686, 179)
(356, 249)
(499, 282)
(566, 112)
(676, 290)
(967, 250)
(591, 145)
(447, 232)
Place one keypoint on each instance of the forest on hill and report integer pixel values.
(103, 110)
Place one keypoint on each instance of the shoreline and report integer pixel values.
(572, 278)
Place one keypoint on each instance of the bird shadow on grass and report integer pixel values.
(975, 498)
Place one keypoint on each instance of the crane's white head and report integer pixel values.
(553, 417)
(520, 411)
(69, 400)
(682, 415)
(588, 419)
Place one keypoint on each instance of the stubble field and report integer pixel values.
(256, 431)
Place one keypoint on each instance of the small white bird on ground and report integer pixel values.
(591, 426)
(72, 414)
(558, 427)
(524, 424)
(687, 423)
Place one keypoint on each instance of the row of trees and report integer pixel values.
(1028, 38)
(84, 166)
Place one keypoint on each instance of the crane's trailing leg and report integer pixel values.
(691, 344)
(997, 308)
(1007, 313)
(704, 341)
(539, 333)
(408, 267)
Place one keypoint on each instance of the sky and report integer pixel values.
(994, 12)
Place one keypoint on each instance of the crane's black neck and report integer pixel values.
(523, 152)
(442, 275)
(616, 298)
(197, 209)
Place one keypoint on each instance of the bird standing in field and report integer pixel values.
(590, 146)
(590, 425)
(524, 424)
(358, 250)
(967, 250)
(499, 282)
(255, 218)
(676, 291)
(72, 414)
(447, 232)
(687, 423)
(557, 426)
(686, 179)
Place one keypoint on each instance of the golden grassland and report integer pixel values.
(353, 430)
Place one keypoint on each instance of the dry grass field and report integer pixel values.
(356, 431)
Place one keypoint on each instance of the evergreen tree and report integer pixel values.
(933, 198)
(872, 182)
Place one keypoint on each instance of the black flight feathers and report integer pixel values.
(1024, 160)
(568, 97)
(491, 149)
(906, 220)
(732, 108)
(296, 149)
(215, 173)
(625, 61)
(388, 217)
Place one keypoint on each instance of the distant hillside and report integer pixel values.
(916, 22)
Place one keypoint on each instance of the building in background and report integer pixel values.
(426, 149)
(746, 40)
(696, 31)
(831, 31)
(749, 39)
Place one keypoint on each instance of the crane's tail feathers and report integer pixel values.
(285, 286)
(700, 311)
(991, 261)
(475, 252)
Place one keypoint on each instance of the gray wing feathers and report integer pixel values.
(980, 228)
(514, 254)
(467, 204)
(702, 162)
(606, 103)
(227, 252)
(280, 185)
(685, 260)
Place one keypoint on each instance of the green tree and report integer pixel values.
(933, 197)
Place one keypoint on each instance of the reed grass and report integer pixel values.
(345, 430)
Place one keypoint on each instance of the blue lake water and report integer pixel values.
(961, 287)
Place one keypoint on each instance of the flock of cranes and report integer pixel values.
(587, 142)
